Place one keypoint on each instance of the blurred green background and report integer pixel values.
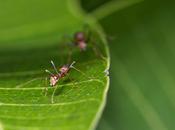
(142, 43)
(142, 90)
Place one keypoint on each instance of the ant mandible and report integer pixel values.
(54, 78)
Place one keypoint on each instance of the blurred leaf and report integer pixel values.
(37, 20)
(91, 5)
(142, 91)
(30, 36)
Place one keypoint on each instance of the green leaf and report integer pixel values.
(141, 95)
(31, 35)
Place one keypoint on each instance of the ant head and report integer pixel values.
(79, 36)
(64, 69)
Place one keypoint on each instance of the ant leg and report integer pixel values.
(54, 67)
(69, 56)
(90, 39)
(96, 50)
(71, 80)
(87, 31)
(68, 42)
(49, 72)
(71, 66)
(53, 94)
(68, 45)
(46, 86)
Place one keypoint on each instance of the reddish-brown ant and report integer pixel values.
(83, 40)
(54, 78)
(80, 40)
(63, 71)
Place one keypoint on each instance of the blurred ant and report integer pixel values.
(82, 40)
(63, 72)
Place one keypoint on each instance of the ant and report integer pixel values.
(82, 40)
(63, 72)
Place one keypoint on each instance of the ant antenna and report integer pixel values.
(71, 66)
(49, 72)
(54, 66)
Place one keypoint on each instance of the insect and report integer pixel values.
(63, 72)
(83, 40)
(80, 40)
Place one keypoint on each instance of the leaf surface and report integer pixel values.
(31, 34)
